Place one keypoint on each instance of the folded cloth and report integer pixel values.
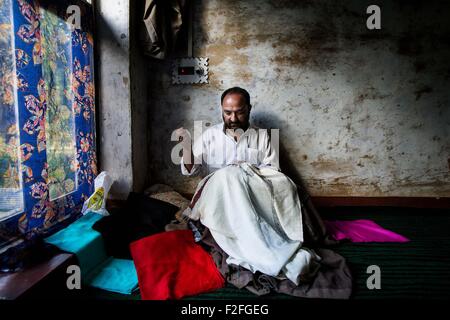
(171, 265)
(116, 275)
(80, 239)
(97, 269)
(362, 231)
(140, 217)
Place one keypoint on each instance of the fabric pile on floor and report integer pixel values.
(102, 244)
(141, 216)
(257, 235)
(270, 240)
(251, 222)
(97, 268)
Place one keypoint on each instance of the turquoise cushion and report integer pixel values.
(116, 275)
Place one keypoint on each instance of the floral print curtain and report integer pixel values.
(47, 113)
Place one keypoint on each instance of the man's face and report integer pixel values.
(235, 112)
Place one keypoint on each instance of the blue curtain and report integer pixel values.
(47, 122)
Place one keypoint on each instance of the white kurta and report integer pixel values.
(215, 150)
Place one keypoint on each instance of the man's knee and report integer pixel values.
(229, 172)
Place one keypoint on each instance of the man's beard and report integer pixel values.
(236, 125)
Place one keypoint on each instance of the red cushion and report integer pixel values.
(170, 265)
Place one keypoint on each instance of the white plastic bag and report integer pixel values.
(97, 201)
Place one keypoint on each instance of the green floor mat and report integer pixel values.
(419, 269)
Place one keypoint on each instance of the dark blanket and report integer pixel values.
(140, 217)
(29, 253)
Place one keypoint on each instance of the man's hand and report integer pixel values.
(186, 141)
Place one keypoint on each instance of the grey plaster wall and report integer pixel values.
(121, 86)
(360, 112)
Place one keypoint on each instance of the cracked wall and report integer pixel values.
(361, 112)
